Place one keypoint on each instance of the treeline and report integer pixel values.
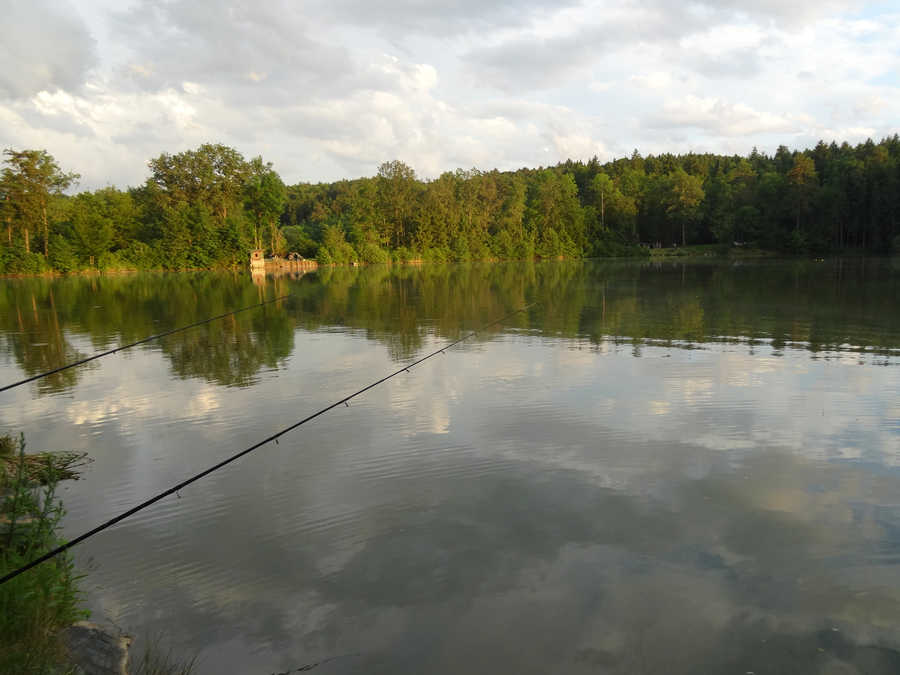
(208, 207)
(198, 209)
(825, 199)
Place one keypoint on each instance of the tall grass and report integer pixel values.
(36, 605)
(156, 659)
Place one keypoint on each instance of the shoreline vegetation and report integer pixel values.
(650, 254)
(42, 627)
(37, 606)
(687, 252)
(208, 208)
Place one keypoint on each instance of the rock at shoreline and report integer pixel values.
(96, 651)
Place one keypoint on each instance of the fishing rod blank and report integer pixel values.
(135, 344)
(274, 437)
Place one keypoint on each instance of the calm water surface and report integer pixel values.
(659, 468)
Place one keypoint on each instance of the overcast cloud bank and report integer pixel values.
(329, 90)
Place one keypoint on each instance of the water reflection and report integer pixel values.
(543, 531)
(45, 319)
(660, 468)
(840, 306)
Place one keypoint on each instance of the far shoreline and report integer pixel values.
(690, 252)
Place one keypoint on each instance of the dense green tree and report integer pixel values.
(684, 195)
(298, 241)
(213, 175)
(93, 226)
(804, 185)
(555, 216)
(718, 211)
(208, 207)
(613, 211)
(693, 198)
(8, 210)
(29, 180)
(397, 188)
(335, 248)
(264, 198)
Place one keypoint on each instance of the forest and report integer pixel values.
(208, 207)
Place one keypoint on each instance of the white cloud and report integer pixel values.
(578, 145)
(601, 86)
(724, 38)
(330, 90)
(402, 18)
(46, 46)
(723, 118)
(657, 80)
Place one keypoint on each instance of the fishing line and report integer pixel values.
(274, 437)
(135, 344)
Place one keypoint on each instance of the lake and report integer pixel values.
(676, 467)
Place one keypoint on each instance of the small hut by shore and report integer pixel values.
(294, 262)
(257, 261)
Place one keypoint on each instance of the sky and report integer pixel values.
(330, 89)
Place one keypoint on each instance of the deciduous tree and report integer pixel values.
(30, 178)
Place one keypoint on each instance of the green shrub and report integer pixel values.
(338, 248)
(38, 604)
(299, 241)
(479, 250)
(403, 255)
(524, 248)
(437, 254)
(62, 255)
(550, 245)
(113, 261)
(20, 262)
(797, 242)
(373, 254)
(323, 256)
(503, 245)
(141, 256)
(608, 248)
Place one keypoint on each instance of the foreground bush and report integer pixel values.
(37, 605)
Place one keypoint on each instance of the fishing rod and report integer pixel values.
(138, 342)
(274, 437)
